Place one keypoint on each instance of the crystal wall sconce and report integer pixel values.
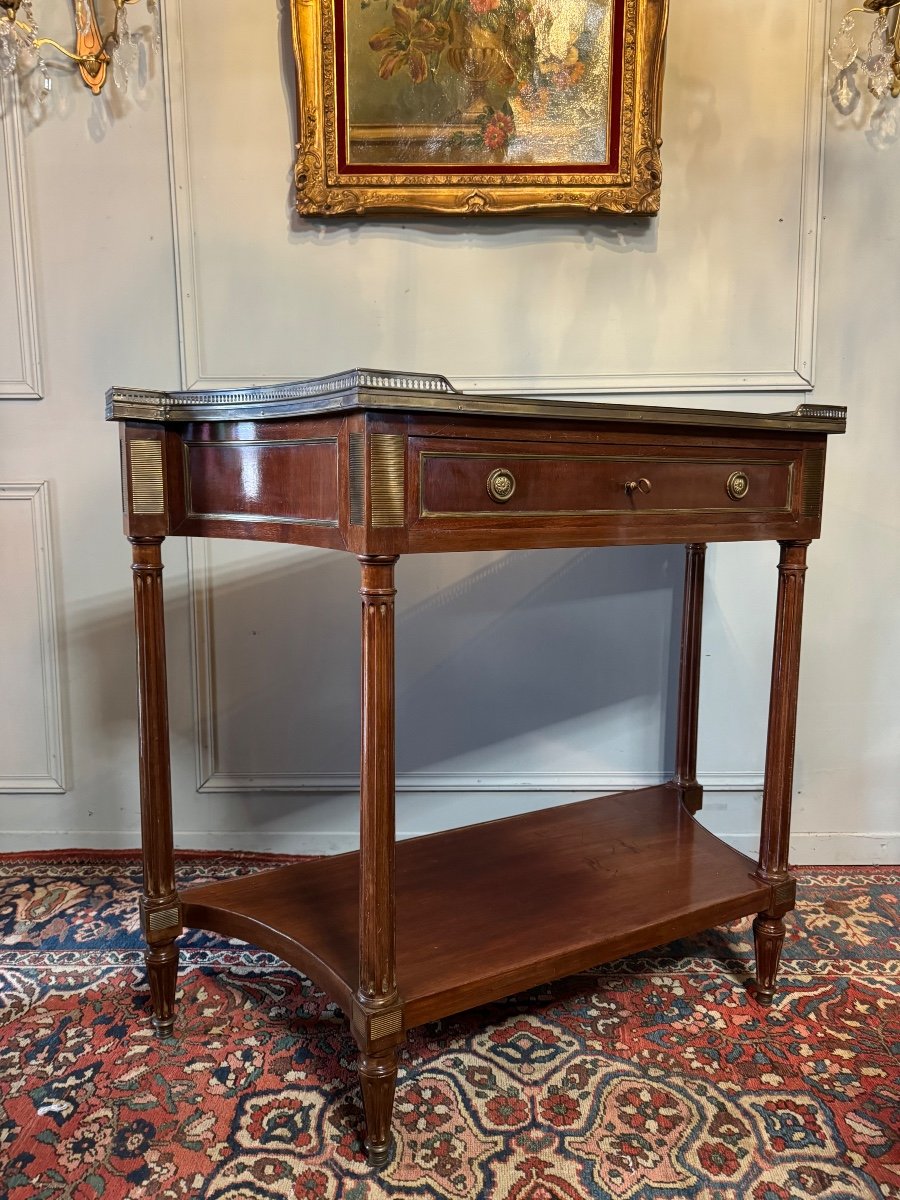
(863, 62)
(22, 46)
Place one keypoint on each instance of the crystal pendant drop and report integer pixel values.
(123, 52)
(37, 95)
(9, 47)
(156, 19)
(880, 84)
(843, 49)
(879, 52)
(844, 92)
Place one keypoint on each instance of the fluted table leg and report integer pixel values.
(768, 928)
(378, 1020)
(160, 910)
(685, 776)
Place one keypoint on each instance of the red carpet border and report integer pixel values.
(651, 1078)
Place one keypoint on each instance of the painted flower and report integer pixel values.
(90, 1143)
(425, 1108)
(507, 1110)
(483, 6)
(498, 131)
(649, 1109)
(718, 1158)
(559, 1109)
(311, 1185)
(407, 43)
(133, 1140)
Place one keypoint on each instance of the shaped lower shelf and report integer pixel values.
(491, 909)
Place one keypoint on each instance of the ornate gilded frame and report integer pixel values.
(328, 185)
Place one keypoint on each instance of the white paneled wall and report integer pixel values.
(30, 709)
(20, 374)
(151, 241)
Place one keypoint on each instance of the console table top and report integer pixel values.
(364, 390)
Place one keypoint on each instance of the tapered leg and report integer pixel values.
(378, 1016)
(768, 938)
(378, 1078)
(685, 776)
(779, 775)
(160, 911)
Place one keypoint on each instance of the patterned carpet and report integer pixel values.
(653, 1077)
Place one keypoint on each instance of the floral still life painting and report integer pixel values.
(478, 105)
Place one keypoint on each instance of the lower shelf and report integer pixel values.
(491, 909)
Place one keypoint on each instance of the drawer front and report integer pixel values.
(505, 483)
(293, 482)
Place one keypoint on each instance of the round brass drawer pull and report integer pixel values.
(738, 485)
(501, 484)
(638, 485)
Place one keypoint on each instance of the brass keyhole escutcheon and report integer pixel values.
(501, 484)
(638, 485)
(738, 485)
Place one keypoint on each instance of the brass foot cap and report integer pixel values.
(763, 995)
(164, 1029)
(378, 1155)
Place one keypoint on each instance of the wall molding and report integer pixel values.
(29, 386)
(211, 779)
(807, 849)
(52, 780)
(597, 783)
(800, 378)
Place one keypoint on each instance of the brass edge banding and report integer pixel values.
(357, 481)
(387, 479)
(146, 472)
(813, 486)
(252, 518)
(256, 443)
(123, 466)
(508, 514)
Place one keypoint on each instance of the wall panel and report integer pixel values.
(717, 295)
(20, 373)
(31, 743)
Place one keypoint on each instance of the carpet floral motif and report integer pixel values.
(654, 1077)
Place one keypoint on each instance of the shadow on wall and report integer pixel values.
(507, 664)
(543, 661)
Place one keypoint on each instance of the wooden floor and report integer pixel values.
(491, 909)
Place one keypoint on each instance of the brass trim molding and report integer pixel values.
(387, 391)
(387, 479)
(357, 478)
(813, 484)
(161, 918)
(145, 460)
(385, 1023)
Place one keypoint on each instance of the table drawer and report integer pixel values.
(498, 482)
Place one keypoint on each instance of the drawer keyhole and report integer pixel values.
(638, 485)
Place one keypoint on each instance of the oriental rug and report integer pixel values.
(654, 1077)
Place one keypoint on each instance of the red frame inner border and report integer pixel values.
(610, 167)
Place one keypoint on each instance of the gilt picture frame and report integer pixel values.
(478, 106)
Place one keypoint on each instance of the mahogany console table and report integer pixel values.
(380, 465)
